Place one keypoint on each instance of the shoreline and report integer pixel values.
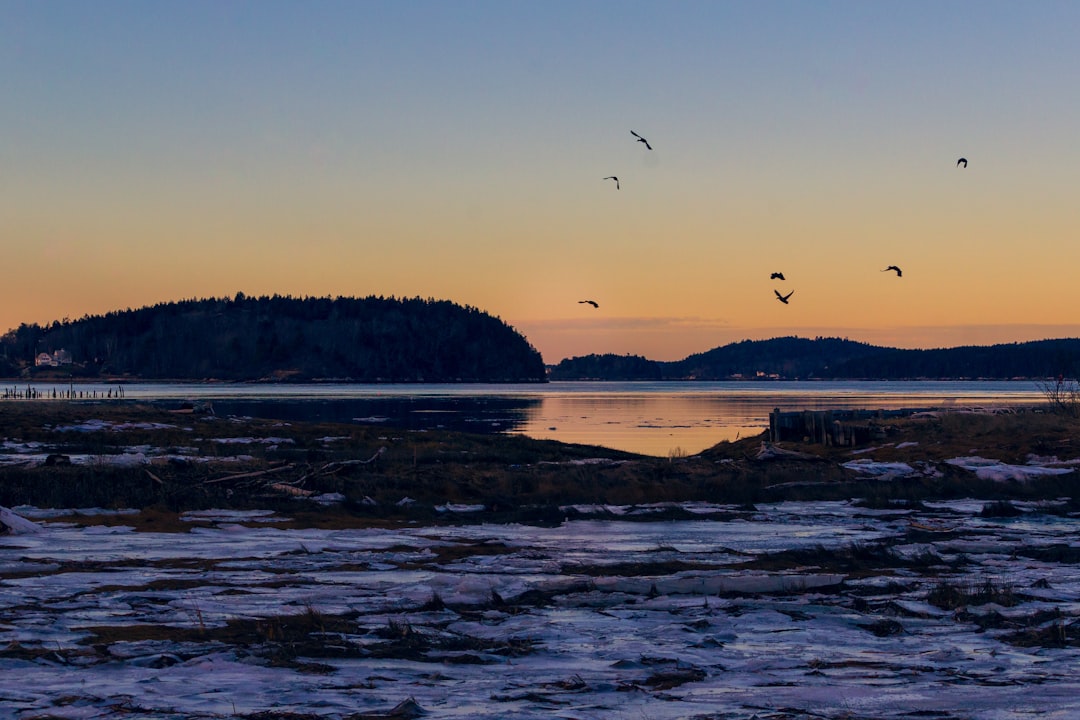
(133, 455)
(655, 418)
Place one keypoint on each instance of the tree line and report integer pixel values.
(836, 359)
(369, 339)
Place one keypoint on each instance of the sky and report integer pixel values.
(152, 152)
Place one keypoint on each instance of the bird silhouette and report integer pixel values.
(612, 177)
(777, 276)
(961, 161)
(641, 140)
(588, 302)
(783, 298)
(893, 267)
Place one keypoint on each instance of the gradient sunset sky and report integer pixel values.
(158, 151)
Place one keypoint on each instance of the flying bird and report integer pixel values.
(612, 177)
(588, 302)
(783, 298)
(961, 161)
(777, 276)
(641, 140)
(893, 267)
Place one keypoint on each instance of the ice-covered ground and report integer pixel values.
(32, 454)
(604, 618)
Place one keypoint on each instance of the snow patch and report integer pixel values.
(880, 469)
(986, 469)
(16, 524)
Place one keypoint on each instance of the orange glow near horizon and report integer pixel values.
(394, 159)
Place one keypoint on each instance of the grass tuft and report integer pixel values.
(949, 596)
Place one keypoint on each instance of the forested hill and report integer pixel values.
(607, 367)
(835, 358)
(1037, 359)
(788, 357)
(371, 339)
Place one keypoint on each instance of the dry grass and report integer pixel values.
(856, 560)
(296, 640)
(514, 478)
(1009, 437)
(949, 596)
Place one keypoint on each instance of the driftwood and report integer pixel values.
(290, 490)
(332, 467)
(771, 452)
(293, 487)
(339, 464)
(248, 475)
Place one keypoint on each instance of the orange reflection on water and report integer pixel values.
(685, 423)
(653, 425)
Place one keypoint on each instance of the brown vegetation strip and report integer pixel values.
(516, 479)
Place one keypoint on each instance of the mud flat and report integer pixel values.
(789, 610)
(932, 573)
(120, 455)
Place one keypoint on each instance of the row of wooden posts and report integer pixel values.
(70, 393)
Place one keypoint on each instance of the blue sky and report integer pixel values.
(157, 151)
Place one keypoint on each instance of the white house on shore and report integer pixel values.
(54, 359)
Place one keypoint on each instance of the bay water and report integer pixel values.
(652, 418)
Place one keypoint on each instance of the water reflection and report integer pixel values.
(651, 422)
(690, 418)
(653, 418)
(483, 415)
(654, 425)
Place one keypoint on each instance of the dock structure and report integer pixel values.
(843, 428)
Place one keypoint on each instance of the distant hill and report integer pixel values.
(606, 367)
(836, 358)
(1036, 359)
(787, 357)
(371, 339)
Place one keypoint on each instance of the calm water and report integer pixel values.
(656, 418)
